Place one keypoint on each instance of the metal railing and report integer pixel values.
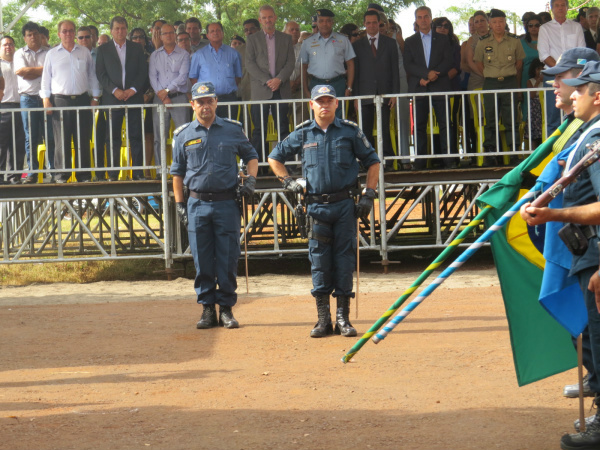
(132, 220)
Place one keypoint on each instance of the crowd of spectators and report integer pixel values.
(157, 66)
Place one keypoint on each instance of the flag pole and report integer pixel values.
(413, 287)
(470, 251)
(580, 376)
(546, 197)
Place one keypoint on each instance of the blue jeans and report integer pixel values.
(214, 232)
(332, 263)
(35, 133)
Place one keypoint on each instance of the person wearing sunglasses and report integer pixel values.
(529, 43)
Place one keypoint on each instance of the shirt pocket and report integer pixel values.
(311, 157)
(571, 40)
(225, 156)
(194, 156)
(343, 153)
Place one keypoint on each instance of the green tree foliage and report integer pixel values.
(9, 12)
(231, 13)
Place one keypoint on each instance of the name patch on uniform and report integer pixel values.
(195, 141)
(309, 145)
(489, 49)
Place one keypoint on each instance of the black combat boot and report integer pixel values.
(586, 440)
(342, 321)
(226, 318)
(209, 318)
(323, 326)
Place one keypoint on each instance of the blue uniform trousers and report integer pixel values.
(332, 263)
(591, 357)
(214, 232)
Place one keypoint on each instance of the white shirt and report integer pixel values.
(376, 37)
(69, 73)
(11, 90)
(122, 52)
(25, 57)
(169, 70)
(555, 38)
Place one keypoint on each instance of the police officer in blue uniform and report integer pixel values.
(329, 147)
(204, 160)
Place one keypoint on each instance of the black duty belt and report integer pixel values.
(213, 196)
(174, 94)
(330, 80)
(329, 198)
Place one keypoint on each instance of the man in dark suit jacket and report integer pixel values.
(122, 71)
(428, 57)
(269, 80)
(376, 72)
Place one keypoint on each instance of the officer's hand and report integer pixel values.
(292, 185)
(182, 213)
(365, 204)
(247, 189)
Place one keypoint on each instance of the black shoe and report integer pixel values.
(342, 321)
(323, 327)
(113, 178)
(226, 318)
(587, 440)
(138, 178)
(588, 422)
(209, 318)
(31, 179)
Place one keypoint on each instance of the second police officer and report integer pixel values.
(329, 147)
(204, 160)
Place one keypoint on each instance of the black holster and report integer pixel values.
(576, 237)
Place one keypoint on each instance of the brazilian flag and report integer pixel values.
(541, 346)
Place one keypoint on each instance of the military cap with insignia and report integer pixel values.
(324, 13)
(322, 90)
(203, 89)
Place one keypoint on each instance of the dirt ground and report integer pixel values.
(121, 366)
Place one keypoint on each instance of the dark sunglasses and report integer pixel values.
(137, 36)
(87, 36)
(446, 26)
(534, 25)
(355, 34)
(314, 26)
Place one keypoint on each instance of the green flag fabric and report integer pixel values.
(541, 347)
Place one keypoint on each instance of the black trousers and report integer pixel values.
(115, 139)
(72, 126)
(12, 152)
(368, 119)
(421, 119)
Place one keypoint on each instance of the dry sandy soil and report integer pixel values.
(122, 366)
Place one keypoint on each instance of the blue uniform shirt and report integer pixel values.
(329, 159)
(584, 191)
(326, 57)
(206, 158)
(220, 68)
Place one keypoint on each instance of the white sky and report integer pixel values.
(438, 8)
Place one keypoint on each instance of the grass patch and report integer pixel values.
(82, 272)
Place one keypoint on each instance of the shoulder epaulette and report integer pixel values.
(303, 124)
(481, 38)
(512, 35)
(181, 128)
(349, 122)
(232, 121)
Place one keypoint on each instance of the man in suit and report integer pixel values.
(122, 72)
(270, 62)
(376, 73)
(591, 35)
(428, 57)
